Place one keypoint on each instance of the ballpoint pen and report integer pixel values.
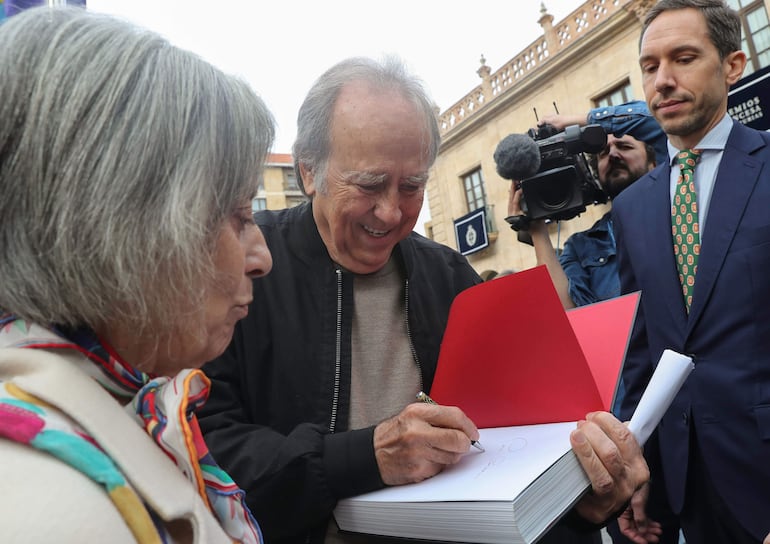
(423, 397)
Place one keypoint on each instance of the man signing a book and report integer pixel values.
(314, 400)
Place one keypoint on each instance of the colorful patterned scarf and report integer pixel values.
(165, 407)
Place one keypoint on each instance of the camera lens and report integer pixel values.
(557, 190)
(556, 196)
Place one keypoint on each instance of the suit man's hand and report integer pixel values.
(613, 460)
(635, 524)
(420, 441)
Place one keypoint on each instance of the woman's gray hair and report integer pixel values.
(313, 144)
(121, 157)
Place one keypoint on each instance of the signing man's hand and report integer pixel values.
(420, 441)
(613, 460)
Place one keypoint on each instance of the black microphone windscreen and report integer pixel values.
(517, 157)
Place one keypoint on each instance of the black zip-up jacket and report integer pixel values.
(277, 416)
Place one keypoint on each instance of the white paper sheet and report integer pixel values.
(671, 372)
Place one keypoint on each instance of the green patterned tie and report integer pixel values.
(684, 223)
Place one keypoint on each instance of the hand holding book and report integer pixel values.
(598, 443)
(672, 370)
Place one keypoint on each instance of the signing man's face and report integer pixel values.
(375, 177)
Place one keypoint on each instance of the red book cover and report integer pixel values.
(511, 355)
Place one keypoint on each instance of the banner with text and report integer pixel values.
(747, 98)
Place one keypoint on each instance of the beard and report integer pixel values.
(701, 113)
(685, 126)
(618, 178)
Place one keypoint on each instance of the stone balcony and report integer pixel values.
(554, 41)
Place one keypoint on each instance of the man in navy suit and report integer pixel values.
(714, 441)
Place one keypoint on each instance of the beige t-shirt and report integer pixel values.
(384, 374)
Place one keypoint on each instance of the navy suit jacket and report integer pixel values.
(727, 396)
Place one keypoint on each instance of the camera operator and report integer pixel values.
(587, 272)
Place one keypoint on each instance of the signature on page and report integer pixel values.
(502, 453)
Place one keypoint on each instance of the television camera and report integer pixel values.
(552, 170)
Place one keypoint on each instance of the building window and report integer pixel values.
(755, 33)
(258, 204)
(619, 95)
(474, 190)
(291, 180)
(476, 197)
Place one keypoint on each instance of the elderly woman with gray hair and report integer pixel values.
(127, 170)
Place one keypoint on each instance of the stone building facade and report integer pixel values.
(587, 60)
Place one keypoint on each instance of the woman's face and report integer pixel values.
(241, 255)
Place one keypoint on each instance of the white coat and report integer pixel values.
(43, 499)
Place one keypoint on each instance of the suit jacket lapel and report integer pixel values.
(737, 175)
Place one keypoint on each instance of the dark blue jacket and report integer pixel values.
(723, 408)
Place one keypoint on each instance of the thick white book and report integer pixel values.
(513, 492)
(525, 383)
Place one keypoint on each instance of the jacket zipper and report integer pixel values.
(409, 332)
(337, 355)
(338, 347)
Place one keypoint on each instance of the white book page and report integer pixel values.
(514, 457)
